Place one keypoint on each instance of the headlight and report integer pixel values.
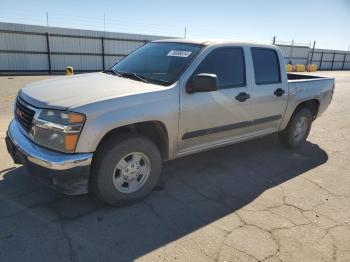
(58, 130)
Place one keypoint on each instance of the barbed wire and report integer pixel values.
(106, 22)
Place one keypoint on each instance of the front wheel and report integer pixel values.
(297, 129)
(126, 169)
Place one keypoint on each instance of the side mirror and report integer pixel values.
(202, 83)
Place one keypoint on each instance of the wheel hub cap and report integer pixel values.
(300, 128)
(131, 172)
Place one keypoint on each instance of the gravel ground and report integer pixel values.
(253, 201)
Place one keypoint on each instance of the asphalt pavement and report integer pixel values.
(253, 201)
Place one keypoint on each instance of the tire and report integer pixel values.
(109, 171)
(288, 136)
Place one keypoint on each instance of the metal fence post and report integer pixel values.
(312, 53)
(48, 52)
(291, 52)
(103, 53)
(342, 67)
(321, 60)
(333, 61)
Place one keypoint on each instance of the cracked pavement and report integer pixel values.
(253, 201)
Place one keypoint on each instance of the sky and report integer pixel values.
(325, 21)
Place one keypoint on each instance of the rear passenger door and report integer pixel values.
(269, 93)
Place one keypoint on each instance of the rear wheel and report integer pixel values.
(297, 129)
(126, 169)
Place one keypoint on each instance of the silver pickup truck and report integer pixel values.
(109, 132)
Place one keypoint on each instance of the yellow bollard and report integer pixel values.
(311, 68)
(69, 70)
(289, 68)
(299, 68)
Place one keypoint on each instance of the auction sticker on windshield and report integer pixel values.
(179, 53)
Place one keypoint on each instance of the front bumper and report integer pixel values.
(68, 173)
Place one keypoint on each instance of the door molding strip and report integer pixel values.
(223, 128)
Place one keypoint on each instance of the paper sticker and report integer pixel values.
(179, 53)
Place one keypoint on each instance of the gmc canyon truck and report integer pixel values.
(109, 132)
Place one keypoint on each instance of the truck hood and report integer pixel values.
(73, 91)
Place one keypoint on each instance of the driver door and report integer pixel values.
(217, 117)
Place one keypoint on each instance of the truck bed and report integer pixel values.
(300, 77)
(306, 87)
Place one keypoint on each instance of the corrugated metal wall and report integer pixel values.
(29, 48)
(331, 59)
(325, 59)
(295, 54)
(40, 49)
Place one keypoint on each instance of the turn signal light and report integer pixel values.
(70, 142)
(75, 118)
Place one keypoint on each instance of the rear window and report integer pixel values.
(266, 66)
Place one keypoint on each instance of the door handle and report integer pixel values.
(243, 96)
(279, 92)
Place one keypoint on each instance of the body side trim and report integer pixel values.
(217, 129)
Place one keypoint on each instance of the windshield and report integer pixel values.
(159, 63)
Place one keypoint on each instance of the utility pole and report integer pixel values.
(104, 24)
(48, 44)
(274, 40)
(47, 19)
(103, 42)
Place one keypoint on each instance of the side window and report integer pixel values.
(227, 63)
(266, 66)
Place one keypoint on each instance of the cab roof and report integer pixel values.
(212, 42)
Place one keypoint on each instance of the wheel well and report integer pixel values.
(153, 130)
(313, 105)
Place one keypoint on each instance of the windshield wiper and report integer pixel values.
(133, 75)
(158, 81)
(111, 71)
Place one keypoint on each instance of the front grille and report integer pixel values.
(24, 114)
